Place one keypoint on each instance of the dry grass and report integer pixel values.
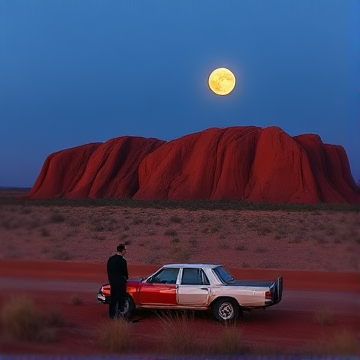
(324, 316)
(229, 341)
(115, 336)
(76, 300)
(343, 342)
(66, 228)
(22, 320)
(179, 336)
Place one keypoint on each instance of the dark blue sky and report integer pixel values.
(80, 71)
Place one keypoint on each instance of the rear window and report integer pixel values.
(223, 275)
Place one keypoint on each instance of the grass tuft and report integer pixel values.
(24, 321)
(324, 316)
(115, 335)
(343, 342)
(178, 335)
(230, 340)
(76, 300)
(57, 218)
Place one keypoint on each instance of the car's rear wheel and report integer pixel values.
(225, 310)
(129, 308)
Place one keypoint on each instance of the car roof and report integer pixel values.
(211, 266)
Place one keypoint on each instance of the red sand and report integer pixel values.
(291, 321)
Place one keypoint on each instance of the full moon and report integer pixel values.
(222, 81)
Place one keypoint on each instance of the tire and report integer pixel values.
(226, 310)
(129, 308)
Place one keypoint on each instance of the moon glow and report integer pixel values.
(222, 81)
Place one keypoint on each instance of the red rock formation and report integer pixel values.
(95, 170)
(238, 163)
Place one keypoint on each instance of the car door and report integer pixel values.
(194, 287)
(159, 289)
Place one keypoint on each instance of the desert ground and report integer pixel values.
(315, 248)
(286, 237)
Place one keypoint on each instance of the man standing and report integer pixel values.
(117, 275)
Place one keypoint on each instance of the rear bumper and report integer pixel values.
(278, 290)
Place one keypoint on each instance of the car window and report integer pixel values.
(223, 275)
(166, 276)
(193, 276)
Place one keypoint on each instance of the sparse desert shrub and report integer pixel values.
(240, 247)
(176, 219)
(223, 245)
(54, 317)
(264, 230)
(32, 224)
(297, 239)
(154, 259)
(44, 232)
(170, 232)
(24, 321)
(181, 254)
(57, 218)
(25, 210)
(61, 255)
(98, 228)
(343, 342)
(115, 335)
(213, 228)
(331, 230)
(204, 218)
(193, 241)
(74, 223)
(76, 300)
(230, 340)
(45, 250)
(6, 224)
(324, 316)
(178, 334)
(138, 221)
(260, 250)
(99, 237)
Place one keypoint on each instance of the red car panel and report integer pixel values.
(161, 294)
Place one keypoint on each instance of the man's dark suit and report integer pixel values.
(117, 275)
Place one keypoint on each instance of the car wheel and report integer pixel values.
(226, 310)
(129, 308)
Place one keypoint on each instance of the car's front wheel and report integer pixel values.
(225, 310)
(129, 308)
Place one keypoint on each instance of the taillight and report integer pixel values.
(268, 295)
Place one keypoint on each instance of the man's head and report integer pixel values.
(121, 248)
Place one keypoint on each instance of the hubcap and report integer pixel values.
(226, 310)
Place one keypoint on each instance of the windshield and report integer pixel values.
(223, 275)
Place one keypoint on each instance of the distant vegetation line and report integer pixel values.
(17, 199)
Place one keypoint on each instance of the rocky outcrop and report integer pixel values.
(237, 163)
(94, 170)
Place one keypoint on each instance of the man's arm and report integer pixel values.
(126, 271)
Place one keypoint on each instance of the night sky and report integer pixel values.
(79, 71)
